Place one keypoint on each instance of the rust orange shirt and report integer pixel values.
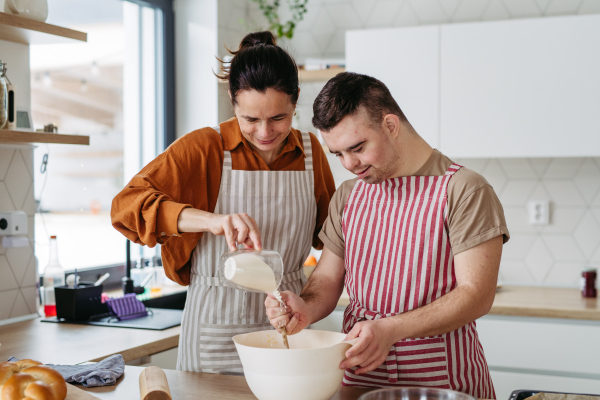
(188, 174)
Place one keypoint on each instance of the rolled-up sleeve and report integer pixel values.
(146, 211)
(324, 188)
(147, 207)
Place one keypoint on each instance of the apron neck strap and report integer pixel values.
(226, 153)
(308, 161)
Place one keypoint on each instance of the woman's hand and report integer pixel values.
(375, 338)
(294, 316)
(240, 228)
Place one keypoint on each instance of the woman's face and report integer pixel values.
(265, 118)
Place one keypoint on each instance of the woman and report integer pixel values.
(252, 180)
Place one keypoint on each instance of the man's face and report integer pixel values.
(363, 149)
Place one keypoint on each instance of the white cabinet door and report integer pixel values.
(521, 88)
(407, 61)
(555, 345)
(541, 354)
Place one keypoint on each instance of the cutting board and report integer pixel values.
(74, 393)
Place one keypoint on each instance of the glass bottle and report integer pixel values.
(3, 95)
(54, 275)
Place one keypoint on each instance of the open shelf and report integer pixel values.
(7, 136)
(28, 31)
(319, 75)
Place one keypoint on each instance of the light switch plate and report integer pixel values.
(539, 212)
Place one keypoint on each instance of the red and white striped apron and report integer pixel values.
(398, 258)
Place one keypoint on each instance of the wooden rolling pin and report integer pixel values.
(154, 385)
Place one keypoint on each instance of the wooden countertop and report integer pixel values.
(537, 302)
(53, 343)
(545, 302)
(188, 385)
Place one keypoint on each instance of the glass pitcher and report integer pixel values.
(251, 270)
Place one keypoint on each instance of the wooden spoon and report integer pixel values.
(284, 336)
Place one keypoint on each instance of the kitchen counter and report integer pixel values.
(537, 302)
(55, 343)
(188, 385)
(545, 302)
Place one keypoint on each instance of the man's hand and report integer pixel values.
(375, 338)
(294, 316)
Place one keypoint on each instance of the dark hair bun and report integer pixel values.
(257, 39)
(259, 64)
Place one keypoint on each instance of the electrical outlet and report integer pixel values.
(13, 223)
(539, 212)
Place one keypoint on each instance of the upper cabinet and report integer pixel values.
(521, 88)
(407, 61)
(516, 88)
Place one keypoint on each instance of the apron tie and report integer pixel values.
(359, 314)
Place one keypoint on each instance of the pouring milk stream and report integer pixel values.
(249, 271)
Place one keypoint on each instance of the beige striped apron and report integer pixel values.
(284, 207)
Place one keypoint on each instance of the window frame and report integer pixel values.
(166, 6)
(118, 271)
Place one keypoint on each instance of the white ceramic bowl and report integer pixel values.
(309, 370)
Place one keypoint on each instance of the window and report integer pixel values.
(118, 89)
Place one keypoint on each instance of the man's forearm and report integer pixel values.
(461, 306)
(476, 272)
(321, 294)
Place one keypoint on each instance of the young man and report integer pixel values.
(417, 240)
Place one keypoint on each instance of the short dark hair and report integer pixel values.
(345, 93)
(259, 64)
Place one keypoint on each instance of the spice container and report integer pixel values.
(588, 282)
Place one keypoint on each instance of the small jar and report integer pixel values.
(588, 282)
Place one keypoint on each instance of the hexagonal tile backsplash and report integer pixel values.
(17, 265)
(548, 255)
(554, 254)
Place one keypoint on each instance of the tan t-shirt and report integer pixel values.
(475, 214)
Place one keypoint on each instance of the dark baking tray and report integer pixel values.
(523, 394)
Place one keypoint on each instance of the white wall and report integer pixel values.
(322, 32)
(195, 48)
(17, 265)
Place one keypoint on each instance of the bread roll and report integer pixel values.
(28, 379)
